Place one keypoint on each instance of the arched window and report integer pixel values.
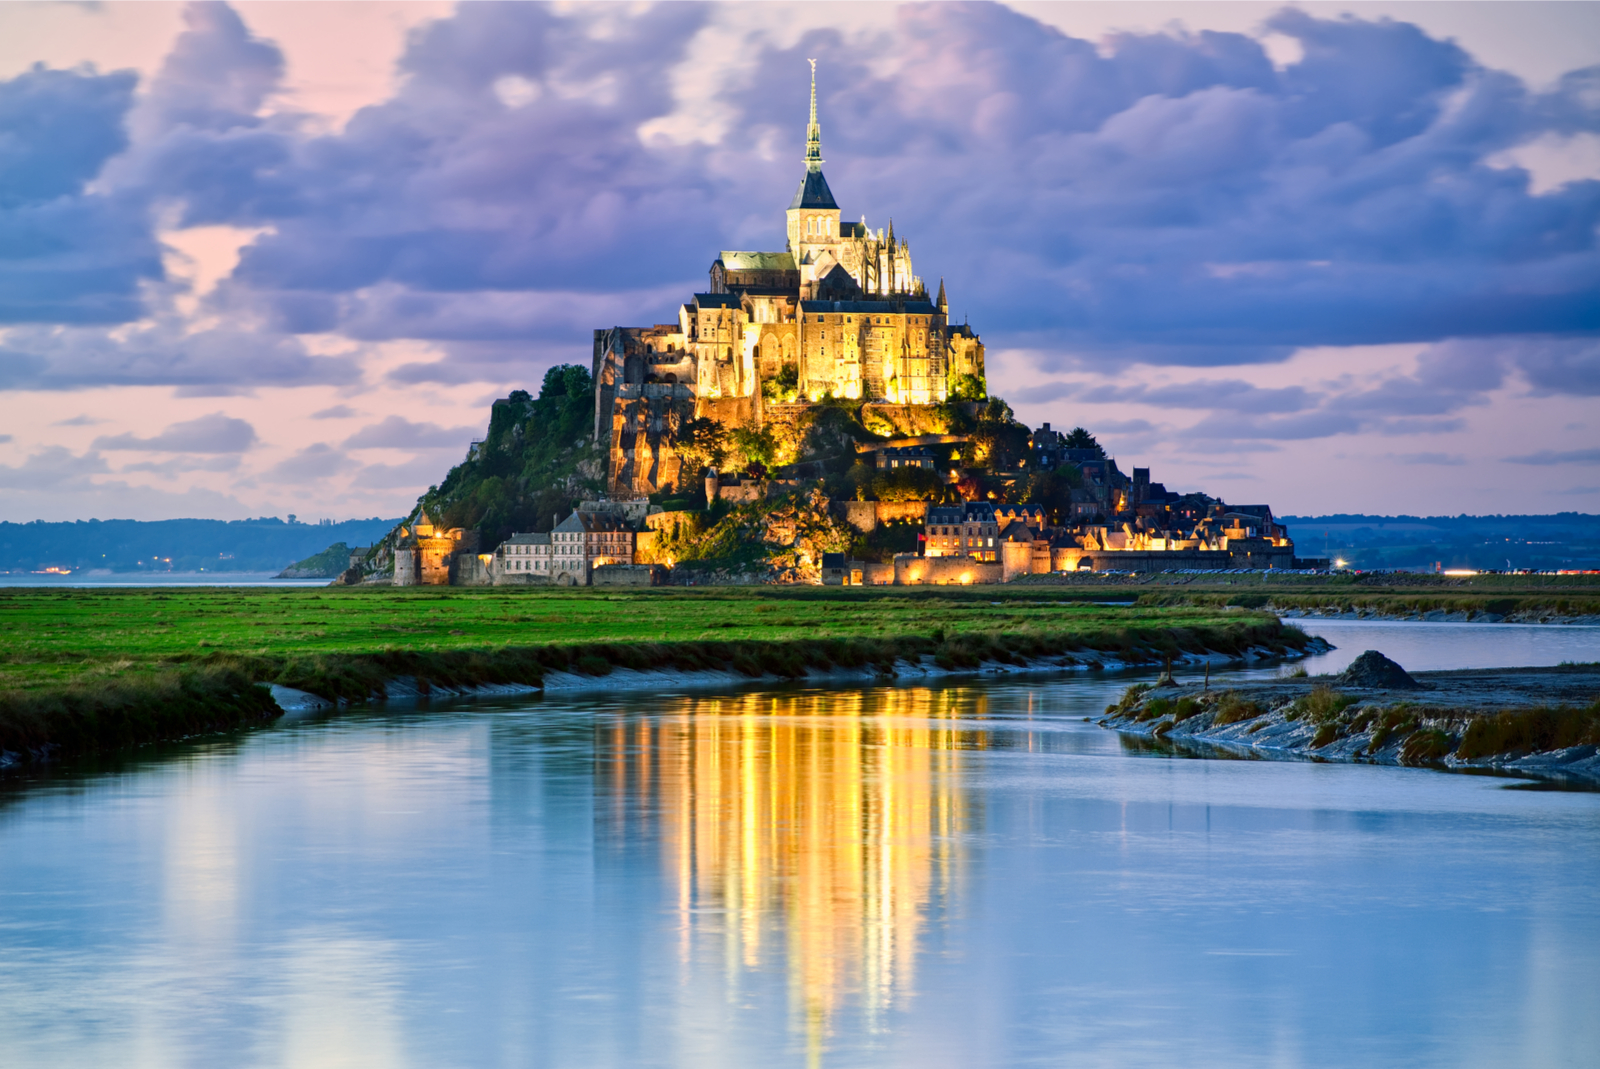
(810, 225)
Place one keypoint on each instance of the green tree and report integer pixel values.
(997, 441)
(536, 460)
(784, 387)
(1051, 489)
(968, 387)
(756, 446)
(1078, 438)
(702, 443)
(908, 484)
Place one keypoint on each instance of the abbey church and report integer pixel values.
(839, 313)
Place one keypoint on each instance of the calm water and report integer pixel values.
(1429, 647)
(162, 579)
(957, 876)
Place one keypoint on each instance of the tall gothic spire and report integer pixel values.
(813, 191)
(813, 130)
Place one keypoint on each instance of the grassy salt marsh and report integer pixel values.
(96, 668)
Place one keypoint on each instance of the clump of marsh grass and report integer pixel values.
(1537, 730)
(1426, 745)
(1185, 708)
(1129, 701)
(1400, 719)
(1232, 709)
(1321, 705)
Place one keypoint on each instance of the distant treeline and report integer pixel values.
(259, 545)
(1555, 541)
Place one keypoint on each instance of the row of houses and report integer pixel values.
(608, 543)
(981, 542)
(596, 544)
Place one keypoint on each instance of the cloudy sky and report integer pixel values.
(272, 258)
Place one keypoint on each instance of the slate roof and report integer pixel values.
(1016, 531)
(593, 521)
(717, 300)
(968, 512)
(757, 261)
(915, 308)
(813, 193)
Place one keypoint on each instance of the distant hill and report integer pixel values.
(1558, 540)
(267, 544)
(329, 564)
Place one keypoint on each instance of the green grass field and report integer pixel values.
(1390, 593)
(94, 670)
(57, 637)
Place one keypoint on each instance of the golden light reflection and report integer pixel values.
(819, 827)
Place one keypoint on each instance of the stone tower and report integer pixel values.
(813, 215)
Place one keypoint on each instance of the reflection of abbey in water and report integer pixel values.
(817, 828)
(837, 313)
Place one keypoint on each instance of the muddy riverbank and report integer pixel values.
(1540, 722)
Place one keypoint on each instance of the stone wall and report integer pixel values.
(890, 511)
(862, 515)
(1258, 554)
(911, 570)
(521, 579)
(629, 575)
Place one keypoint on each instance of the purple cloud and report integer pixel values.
(67, 255)
(397, 432)
(316, 461)
(1547, 457)
(52, 468)
(215, 433)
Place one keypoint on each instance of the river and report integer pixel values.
(964, 875)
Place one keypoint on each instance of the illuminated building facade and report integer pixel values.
(838, 313)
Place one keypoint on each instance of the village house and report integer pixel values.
(1114, 523)
(906, 456)
(585, 540)
(966, 530)
(523, 560)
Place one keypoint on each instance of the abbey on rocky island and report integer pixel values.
(838, 314)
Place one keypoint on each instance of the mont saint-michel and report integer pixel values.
(838, 312)
(813, 416)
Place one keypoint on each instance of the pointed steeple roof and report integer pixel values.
(813, 191)
(942, 304)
